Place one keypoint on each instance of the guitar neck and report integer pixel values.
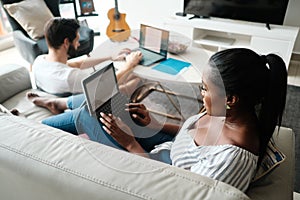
(116, 8)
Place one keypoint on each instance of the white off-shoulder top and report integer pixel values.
(227, 163)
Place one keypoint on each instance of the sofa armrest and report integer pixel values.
(13, 79)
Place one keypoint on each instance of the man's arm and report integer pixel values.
(87, 62)
(131, 61)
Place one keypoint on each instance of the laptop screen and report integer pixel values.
(100, 87)
(154, 39)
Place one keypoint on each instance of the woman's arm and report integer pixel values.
(171, 129)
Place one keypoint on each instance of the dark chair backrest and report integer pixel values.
(53, 5)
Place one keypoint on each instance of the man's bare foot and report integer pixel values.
(54, 105)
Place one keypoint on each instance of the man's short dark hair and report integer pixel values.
(57, 29)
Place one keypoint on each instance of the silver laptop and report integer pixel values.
(153, 44)
(102, 93)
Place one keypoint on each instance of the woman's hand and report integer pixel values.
(141, 115)
(119, 131)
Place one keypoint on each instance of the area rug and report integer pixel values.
(291, 119)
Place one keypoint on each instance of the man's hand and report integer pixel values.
(121, 55)
(134, 58)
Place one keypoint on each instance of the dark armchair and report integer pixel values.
(30, 48)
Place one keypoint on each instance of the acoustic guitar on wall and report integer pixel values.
(118, 29)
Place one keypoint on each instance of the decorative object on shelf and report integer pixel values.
(118, 29)
(86, 6)
(87, 9)
(178, 43)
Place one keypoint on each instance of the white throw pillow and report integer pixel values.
(32, 15)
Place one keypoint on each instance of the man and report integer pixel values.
(54, 73)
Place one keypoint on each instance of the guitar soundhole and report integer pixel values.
(118, 30)
(117, 16)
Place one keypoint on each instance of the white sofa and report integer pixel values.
(40, 162)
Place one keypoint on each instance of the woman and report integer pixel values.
(244, 98)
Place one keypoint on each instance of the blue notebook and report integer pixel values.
(171, 66)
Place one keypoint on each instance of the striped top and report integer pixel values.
(227, 163)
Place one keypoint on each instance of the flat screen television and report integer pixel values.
(263, 11)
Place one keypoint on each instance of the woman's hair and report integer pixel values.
(258, 81)
(57, 29)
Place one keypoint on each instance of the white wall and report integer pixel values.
(153, 12)
(292, 18)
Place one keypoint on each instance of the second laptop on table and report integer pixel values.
(153, 44)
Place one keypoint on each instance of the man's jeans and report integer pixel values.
(78, 121)
(66, 121)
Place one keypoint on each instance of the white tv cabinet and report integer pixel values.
(215, 34)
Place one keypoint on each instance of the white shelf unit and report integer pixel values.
(215, 34)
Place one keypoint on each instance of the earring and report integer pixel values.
(227, 107)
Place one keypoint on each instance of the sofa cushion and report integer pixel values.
(27, 108)
(15, 82)
(31, 15)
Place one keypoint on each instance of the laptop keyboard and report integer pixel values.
(149, 57)
(115, 106)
